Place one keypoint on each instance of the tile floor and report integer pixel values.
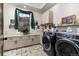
(35, 50)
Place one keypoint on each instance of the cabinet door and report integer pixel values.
(50, 16)
(24, 41)
(1, 46)
(10, 43)
(45, 17)
(20, 42)
(35, 39)
(27, 41)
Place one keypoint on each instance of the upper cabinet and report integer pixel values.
(47, 17)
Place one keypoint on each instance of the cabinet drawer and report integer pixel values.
(9, 44)
(19, 42)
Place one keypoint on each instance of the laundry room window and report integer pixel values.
(24, 20)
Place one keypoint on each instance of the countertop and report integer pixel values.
(72, 33)
(22, 35)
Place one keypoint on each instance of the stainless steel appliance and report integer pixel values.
(67, 44)
(48, 40)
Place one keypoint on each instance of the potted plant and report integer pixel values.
(25, 30)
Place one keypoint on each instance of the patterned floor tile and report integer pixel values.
(35, 50)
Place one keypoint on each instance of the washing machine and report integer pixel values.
(67, 44)
(48, 41)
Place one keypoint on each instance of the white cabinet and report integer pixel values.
(23, 41)
(47, 17)
(16, 42)
(27, 41)
(35, 39)
(9, 44)
(20, 42)
(1, 46)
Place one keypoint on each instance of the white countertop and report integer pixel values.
(22, 35)
(73, 33)
(33, 32)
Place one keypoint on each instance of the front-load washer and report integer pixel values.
(48, 42)
(67, 44)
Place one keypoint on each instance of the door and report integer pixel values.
(1, 29)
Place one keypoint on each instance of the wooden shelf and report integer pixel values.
(47, 24)
(68, 25)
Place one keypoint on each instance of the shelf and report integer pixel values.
(68, 25)
(46, 24)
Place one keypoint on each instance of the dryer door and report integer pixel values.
(46, 43)
(65, 47)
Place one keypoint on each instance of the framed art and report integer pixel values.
(22, 21)
(69, 20)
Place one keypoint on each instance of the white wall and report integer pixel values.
(9, 11)
(64, 9)
(59, 10)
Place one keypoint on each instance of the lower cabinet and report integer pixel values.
(27, 41)
(35, 39)
(24, 41)
(20, 42)
(16, 42)
(1, 46)
(9, 44)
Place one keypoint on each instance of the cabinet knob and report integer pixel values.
(5, 38)
(15, 42)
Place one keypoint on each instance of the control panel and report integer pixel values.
(67, 35)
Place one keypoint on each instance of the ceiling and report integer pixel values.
(39, 7)
(36, 5)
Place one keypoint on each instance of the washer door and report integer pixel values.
(46, 43)
(65, 47)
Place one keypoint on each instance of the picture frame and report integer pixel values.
(22, 21)
(69, 20)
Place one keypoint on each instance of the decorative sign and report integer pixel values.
(69, 20)
(23, 22)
